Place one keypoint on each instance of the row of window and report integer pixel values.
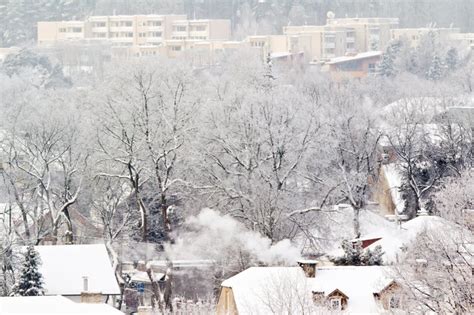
(121, 24)
(182, 28)
(150, 34)
(121, 34)
(70, 29)
(126, 23)
(257, 44)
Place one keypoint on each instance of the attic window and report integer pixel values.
(335, 304)
(394, 302)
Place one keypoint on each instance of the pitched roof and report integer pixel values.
(52, 305)
(271, 290)
(364, 55)
(358, 283)
(64, 266)
(277, 290)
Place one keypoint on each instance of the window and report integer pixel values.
(180, 28)
(77, 29)
(62, 30)
(98, 24)
(330, 39)
(126, 23)
(154, 34)
(176, 48)
(99, 35)
(394, 302)
(371, 67)
(200, 28)
(335, 304)
(154, 23)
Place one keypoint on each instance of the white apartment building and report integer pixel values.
(134, 30)
(413, 35)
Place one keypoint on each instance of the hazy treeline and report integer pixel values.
(18, 18)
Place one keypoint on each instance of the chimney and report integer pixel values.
(85, 284)
(309, 267)
(89, 297)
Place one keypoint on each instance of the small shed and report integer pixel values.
(70, 270)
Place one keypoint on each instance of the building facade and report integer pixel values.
(133, 30)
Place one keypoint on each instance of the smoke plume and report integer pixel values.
(211, 235)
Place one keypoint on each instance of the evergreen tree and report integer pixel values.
(354, 255)
(31, 280)
(386, 67)
(435, 72)
(452, 58)
(373, 258)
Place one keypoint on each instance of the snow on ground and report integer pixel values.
(64, 266)
(45, 305)
(395, 238)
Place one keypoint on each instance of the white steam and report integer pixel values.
(211, 235)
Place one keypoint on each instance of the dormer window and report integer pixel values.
(394, 302)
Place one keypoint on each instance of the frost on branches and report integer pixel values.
(31, 280)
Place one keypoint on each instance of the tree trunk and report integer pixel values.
(356, 222)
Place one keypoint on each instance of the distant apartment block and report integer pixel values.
(369, 33)
(320, 42)
(134, 30)
(463, 39)
(340, 37)
(414, 35)
(51, 32)
(201, 29)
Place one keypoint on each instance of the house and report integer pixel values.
(355, 289)
(266, 290)
(357, 66)
(72, 270)
(52, 305)
(310, 289)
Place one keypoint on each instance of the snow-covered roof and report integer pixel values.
(52, 305)
(271, 290)
(358, 283)
(364, 55)
(64, 266)
(395, 239)
(286, 290)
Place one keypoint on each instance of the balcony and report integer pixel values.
(121, 28)
(330, 45)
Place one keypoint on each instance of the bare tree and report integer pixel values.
(437, 274)
(256, 140)
(146, 124)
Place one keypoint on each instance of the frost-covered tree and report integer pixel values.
(437, 272)
(387, 66)
(436, 69)
(454, 201)
(355, 255)
(30, 282)
(146, 124)
(36, 69)
(452, 59)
